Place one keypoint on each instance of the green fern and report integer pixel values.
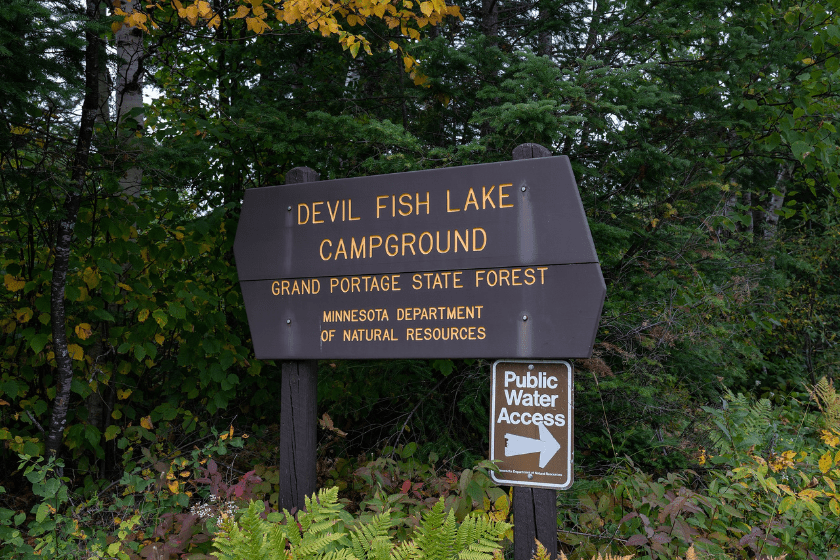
(251, 538)
(743, 424)
(321, 533)
(828, 401)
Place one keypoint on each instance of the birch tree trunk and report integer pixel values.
(777, 200)
(129, 94)
(64, 235)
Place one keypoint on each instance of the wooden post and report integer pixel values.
(535, 509)
(298, 412)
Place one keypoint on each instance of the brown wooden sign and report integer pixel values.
(531, 423)
(488, 260)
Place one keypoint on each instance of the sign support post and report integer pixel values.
(298, 412)
(535, 508)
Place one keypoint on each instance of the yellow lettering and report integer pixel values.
(503, 196)
(350, 211)
(404, 203)
(275, 288)
(303, 206)
(379, 206)
(529, 276)
(341, 249)
(471, 200)
(409, 245)
(316, 212)
(483, 236)
(485, 197)
(333, 213)
(418, 204)
(464, 240)
(431, 243)
(395, 246)
(323, 258)
(372, 246)
(448, 207)
(357, 252)
(437, 237)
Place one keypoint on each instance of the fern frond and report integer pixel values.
(406, 551)
(827, 400)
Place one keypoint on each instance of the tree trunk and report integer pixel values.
(490, 17)
(777, 200)
(64, 237)
(129, 93)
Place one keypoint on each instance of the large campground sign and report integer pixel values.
(487, 260)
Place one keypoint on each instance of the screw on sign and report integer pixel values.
(531, 425)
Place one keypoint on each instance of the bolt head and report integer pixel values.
(289, 208)
(524, 317)
(530, 476)
(524, 189)
(288, 321)
(531, 366)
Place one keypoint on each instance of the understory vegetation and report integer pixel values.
(135, 421)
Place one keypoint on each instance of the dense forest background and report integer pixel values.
(702, 135)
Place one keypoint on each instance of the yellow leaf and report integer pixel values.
(83, 331)
(123, 394)
(177, 5)
(83, 294)
(116, 26)
(829, 438)
(241, 12)
(185, 474)
(3, 403)
(191, 13)
(230, 433)
(807, 61)
(256, 25)
(173, 486)
(13, 284)
(125, 287)
(159, 338)
(826, 462)
(23, 315)
(215, 22)
(90, 277)
(146, 422)
(204, 9)
(426, 8)
(76, 352)
(409, 62)
(143, 315)
(20, 130)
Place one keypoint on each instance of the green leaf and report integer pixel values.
(38, 342)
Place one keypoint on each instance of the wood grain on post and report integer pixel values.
(534, 509)
(298, 412)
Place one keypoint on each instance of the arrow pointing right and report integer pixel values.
(546, 446)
